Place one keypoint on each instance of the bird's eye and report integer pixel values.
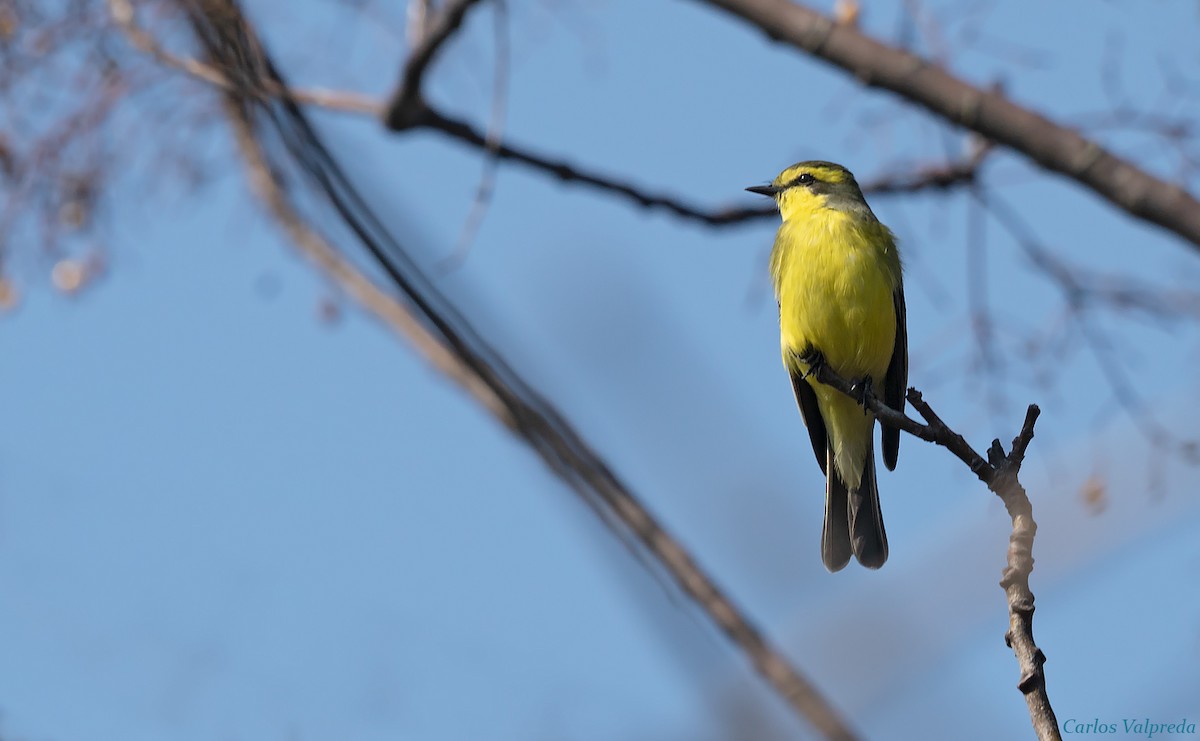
(806, 179)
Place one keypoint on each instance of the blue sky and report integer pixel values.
(221, 517)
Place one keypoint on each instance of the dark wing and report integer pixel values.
(896, 383)
(806, 398)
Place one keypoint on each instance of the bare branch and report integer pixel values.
(422, 114)
(1015, 580)
(935, 177)
(1081, 289)
(451, 343)
(999, 472)
(405, 105)
(419, 18)
(942, 176)
(987, 112)
(990, 360)
(125, 15)
(491, 162)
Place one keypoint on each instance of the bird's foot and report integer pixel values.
(861, 390)
(815, 361)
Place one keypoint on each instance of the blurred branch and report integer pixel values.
(999, 472)
(408, 109)
(491, 163)
(406, 101)
(990, 360)
(419, 113)
(447, 339)
(418, 20)
(944, 176)
(561, 169)
(1083, 289)
(933, 177)
(986, 112)
(1081, 285)
(125, 15)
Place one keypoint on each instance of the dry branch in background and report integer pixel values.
(407, 100)
(262, 112)
(408, 109)
(999, 472)
(251, 84)
(986, 112)
(256, 95)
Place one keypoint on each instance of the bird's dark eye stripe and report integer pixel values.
(805, 178)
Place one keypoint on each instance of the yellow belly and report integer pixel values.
(835, 287)
(835, 280)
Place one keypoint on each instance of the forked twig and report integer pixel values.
(999, 472)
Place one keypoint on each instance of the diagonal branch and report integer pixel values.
(422, 315)
(999, 472)
(986, 112)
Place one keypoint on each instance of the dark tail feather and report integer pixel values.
(867, 537)
(835, 533)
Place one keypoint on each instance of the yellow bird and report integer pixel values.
(837, 280)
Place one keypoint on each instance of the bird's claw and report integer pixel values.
(813, 358)
(861, 390)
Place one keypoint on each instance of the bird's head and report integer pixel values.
(809, 186)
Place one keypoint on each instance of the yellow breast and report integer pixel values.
(835, 276)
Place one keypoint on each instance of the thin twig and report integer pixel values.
(125, 16)
(999, 473)
(495, 133)
(991, 363)
(1081, 288)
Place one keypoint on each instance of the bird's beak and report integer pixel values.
(765, 190)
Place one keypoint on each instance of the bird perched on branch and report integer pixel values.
(841, 302)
